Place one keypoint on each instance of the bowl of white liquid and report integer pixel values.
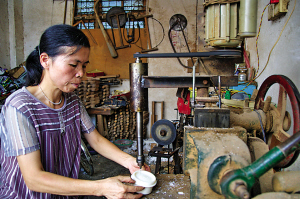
(144, 179)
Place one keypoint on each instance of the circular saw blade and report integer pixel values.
(163, 132)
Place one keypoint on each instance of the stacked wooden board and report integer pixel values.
(91, 93)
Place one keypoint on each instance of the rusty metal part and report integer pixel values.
(138, 99)
(278, 114)
(239, 187)
(137, 90)
(185, 82)
(202, 92)
(207, 99)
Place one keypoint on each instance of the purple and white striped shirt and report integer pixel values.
(28, 125)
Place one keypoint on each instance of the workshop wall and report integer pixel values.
(23, 22)
(284, 59)
(163, 11)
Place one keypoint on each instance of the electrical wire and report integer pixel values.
(261, 125)
(163, 33)
(169, 35)
(163, 30)
(277, 40)
(133, 29)
(256, 76)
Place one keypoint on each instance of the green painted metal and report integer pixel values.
(219, 166)
(251, 172)
(214, 170)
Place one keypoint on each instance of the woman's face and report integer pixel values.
(66, 70)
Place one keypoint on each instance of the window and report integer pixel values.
(84, 14)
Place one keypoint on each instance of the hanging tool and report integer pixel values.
(130, 36)
(65, 12)
(148, 35)
(110, 46)
(86, 29)
(116, 18)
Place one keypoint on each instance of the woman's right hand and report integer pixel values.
(115, 187)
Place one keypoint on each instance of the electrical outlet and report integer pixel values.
(277, 10)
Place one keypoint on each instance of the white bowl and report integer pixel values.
(144, 179)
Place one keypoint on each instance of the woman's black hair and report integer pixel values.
(52, 42)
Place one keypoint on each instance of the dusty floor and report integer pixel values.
(105, 168)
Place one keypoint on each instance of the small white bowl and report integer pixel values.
(144, 179)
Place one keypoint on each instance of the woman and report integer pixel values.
(41, 127)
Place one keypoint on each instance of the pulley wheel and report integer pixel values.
(114, 14)
(227, 53)
(163, 132)
(178, 22)
(287, 88)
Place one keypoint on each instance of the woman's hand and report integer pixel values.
(115, 187)
(133, 166)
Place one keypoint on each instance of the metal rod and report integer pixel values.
(219, 91)
(194, 82)
(186, 82)
(235, 53)
(139, 129)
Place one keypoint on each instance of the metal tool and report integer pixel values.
(116, 18)
(163, 132)
(237, 183)
(148, 35)
(105, 35)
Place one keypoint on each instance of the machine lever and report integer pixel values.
(246, 176)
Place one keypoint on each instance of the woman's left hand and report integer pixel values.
(133, 166)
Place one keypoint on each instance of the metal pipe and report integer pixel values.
(194, 82)
(138, 102)
(139, 128)
(234, 53)
(219, 91)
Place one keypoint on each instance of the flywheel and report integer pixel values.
(287, 88)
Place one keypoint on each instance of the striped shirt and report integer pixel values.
(28, 125)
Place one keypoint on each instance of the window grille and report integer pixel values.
(84, 12)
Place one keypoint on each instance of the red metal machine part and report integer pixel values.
(278, 121)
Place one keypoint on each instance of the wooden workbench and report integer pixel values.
(170, 186)
(103, 110)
